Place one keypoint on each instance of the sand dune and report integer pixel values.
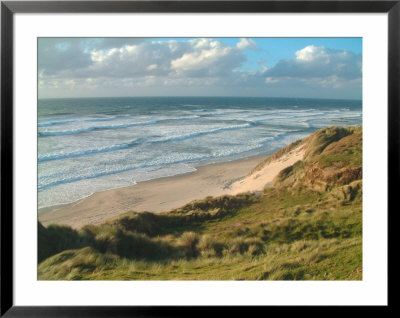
(259, 179)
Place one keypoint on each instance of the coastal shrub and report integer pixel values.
(314, 226)
(291, 174)
(208, 253)
(169, 238)
(346, 152)
(88, 234)
(319, 140)
(299, 245)
(240, 230)
(188, 239)
(206, 242)
(222, 204)
(147, 223)
(57, 238)
(253, 246)
(105, 243)
(177, 220)
(187, 242)
(133, 245)
(209, 245)
(238, 246)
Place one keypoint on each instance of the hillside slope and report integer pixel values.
(308, 225)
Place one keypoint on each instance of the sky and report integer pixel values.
(265, 67)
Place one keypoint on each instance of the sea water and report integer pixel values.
(88, 145)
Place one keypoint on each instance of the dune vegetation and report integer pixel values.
(307, 226)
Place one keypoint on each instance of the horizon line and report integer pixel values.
(197, 96)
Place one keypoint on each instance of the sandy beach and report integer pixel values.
(154, 196)
(171, 192)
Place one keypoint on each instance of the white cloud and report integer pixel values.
(202, 57)
(145, 66)
(199, 59)
(245, 43)
(318, 62)
(310, 53)
(271, 80)
(151, 67)
(207, 57)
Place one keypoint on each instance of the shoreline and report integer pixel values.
(45, 209)
(164, 194)
(157, 195)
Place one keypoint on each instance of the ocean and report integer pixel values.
(86, 145)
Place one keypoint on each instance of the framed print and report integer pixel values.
(161, 155)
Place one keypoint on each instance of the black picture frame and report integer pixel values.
(8, 8)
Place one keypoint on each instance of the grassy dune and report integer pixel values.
(308, 226)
